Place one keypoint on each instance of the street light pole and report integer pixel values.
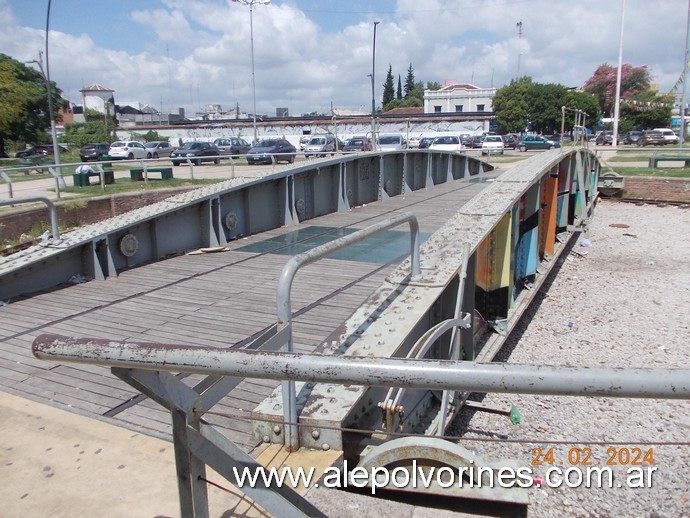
(373, 94)
(53, 130)
(616, 108)
(251, 3)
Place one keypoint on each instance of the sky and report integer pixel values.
(311, 55)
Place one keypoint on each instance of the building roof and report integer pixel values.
(95, 87)
(459, 86)
(407, 110)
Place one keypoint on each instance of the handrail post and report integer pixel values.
(51, 207)
(8, 180)
(285, 287)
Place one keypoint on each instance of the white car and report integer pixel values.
(446, 143)
(391, 143)
(493, 144)
(669, 136)
(129, 149)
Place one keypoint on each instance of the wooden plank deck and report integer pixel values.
(215, 299)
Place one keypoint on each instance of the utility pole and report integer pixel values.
(373, 94)
(251, 3)
(685, 75)
(616, 108)
(519, 27)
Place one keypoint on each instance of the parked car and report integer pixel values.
(303, 141)
(159, 148)
(391, 143)
(413, 143)
(233, 146)
(476, 141)
(604, 138)
(128, 149)
(196, 152)
(94, 152)
(446, 143)
(357, 144)
(510, 141)
(425, 142)
(493, 144)
(42, 149)
(267, 150)
(669, 136)
(632, 137)
(320, 145)
(530, 142)
(652, 138)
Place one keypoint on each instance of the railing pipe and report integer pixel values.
(636, 382)
(305, 258)
(51, 207)
(8, 181)
(285, 287)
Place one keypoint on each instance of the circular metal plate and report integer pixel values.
(129, 244)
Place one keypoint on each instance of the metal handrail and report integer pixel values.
(285, 287)
(559, 380)
(51, 207)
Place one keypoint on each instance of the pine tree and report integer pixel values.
(399, 95)
(409, 82)
(388, 88)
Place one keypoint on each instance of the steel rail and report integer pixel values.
(632, 382)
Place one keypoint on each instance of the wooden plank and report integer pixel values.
(213, 299)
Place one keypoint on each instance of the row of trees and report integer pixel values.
(409, 94)
(524, 104)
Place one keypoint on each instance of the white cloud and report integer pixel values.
(198, 52)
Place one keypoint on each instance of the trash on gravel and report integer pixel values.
(568, 327)
(619, 225)
(585, 242)
(629, 235)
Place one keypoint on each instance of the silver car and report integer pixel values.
(159, 149)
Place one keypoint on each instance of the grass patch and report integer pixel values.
(124, 185)
(660, 172)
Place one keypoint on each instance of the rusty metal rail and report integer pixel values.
(641, 382)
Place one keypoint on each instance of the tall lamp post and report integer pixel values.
(53, 131)
(373, 94)
(251, 3)
(616, 108)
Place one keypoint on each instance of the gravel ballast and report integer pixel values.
(621, 298)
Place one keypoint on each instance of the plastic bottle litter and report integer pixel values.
(514, 415)
(568, 327)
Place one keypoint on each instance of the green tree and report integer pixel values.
(545, 102)
(88, 132)
(511, 106)
(433, 85)
(409, 82)
(388, 88)
(149, 136)
(399, 94)
(24, 112)
(585, 102)
(647, 111)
